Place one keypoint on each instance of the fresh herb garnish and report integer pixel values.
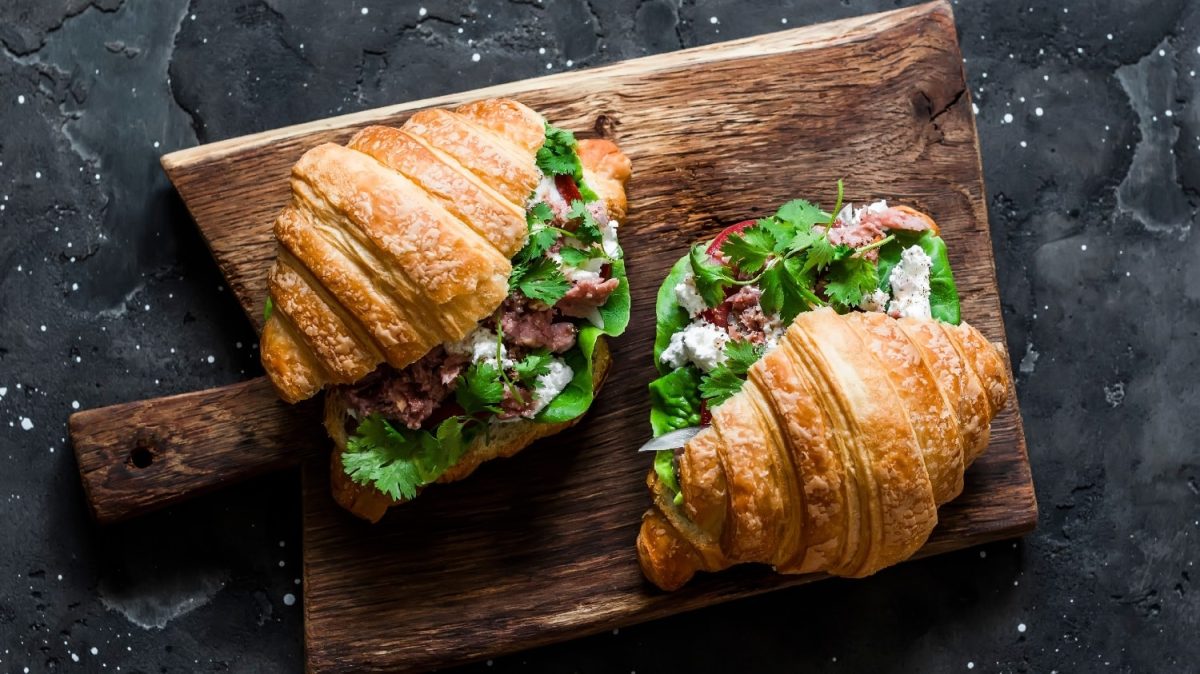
(711, 278)
(559, 155)
(727, 378)
(398, 461)
(267, 309)
(588, 230)
(540, 280)
(480, 388)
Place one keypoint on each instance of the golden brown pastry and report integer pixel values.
(835, 454)
(408, 273)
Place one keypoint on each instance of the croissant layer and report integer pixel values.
(835, 454)
(397, 242)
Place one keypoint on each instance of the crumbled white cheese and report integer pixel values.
(910, 284)
(688, 296)
(546, 191)
(849, 215)
(874, 301)
(552, 383)
(608, 239)
(480, 345)
(701, 343)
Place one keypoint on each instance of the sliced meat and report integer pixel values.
(897, 217)
(531, 324)
(408, 396)
(855, 235)
(586, 295)
(518, 403)
(747, 320)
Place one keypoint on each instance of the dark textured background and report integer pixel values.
(1091, 147)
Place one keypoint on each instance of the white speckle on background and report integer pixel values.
(1115, 395)
(43, 328)
(74, 658)
(1109, 36)
(3, 391)
(974, 108)
(1021, 628)
(289, 599)
(475, 57)
(281, 563)
(541, 50)
(74, 404)
(713, 20)
(26, 424)
(74, 286)
(1024, 144)
(783, 20)
(983, 554)
(970, 665)
(1008, 118)
(422, 12)
(37, 174)
(570, 63)
(21, 99)
(1038, 111)
(1168, 113)
(1083, 246)
(94, 651)
(1162, 52)
(364, 11)
(211, 359)
(1029, 360)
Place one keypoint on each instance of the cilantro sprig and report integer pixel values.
(727, 378)
(559, 155)
(787, 256)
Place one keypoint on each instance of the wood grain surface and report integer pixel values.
(141, 456)
(540, 547)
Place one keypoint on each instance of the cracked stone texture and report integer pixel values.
(1091, 147)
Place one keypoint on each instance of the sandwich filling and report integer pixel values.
(532, 359)
(728, 301)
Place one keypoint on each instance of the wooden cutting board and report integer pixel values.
(540, 548)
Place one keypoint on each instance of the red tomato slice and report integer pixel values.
(714, 248)
(705, 415)
(567, 188)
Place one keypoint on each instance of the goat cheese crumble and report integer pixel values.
(688, 296)
(480, 345)
(551, 384)
(700, 343)
(910, 284)
(875, 301)
(849, 215)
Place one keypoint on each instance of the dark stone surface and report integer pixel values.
(107, 294)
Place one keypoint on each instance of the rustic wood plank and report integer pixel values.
(540, 547)
(141, 456)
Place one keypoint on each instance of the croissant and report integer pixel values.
(397, 242)
(401, 249)
(835, 454)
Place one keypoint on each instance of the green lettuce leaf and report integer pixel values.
(668, 472)
(675, 401)
(943, 294)
(670, 317)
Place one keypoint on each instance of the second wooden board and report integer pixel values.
(541, 547)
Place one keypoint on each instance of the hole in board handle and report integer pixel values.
(141, 457)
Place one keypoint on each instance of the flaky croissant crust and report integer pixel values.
(835, 454)
(397, 242)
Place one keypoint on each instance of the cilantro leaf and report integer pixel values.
(267, 309)
(557, 154)
(771, 284)
(480, 388)
(588, 231)
(543, 281)
(748, 250)
(801, 214)
(399, 461)
(379, 454)
(727, 378)
(804, 239)
(539, 214)
(798, 294)
(820, 254)
(533, 366)
(849, 280)
(573, 256)
(711, 278)
(719, 385)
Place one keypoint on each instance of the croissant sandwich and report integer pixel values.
(837, 395)
(449, 284)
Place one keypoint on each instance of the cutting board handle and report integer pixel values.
(141, 456)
